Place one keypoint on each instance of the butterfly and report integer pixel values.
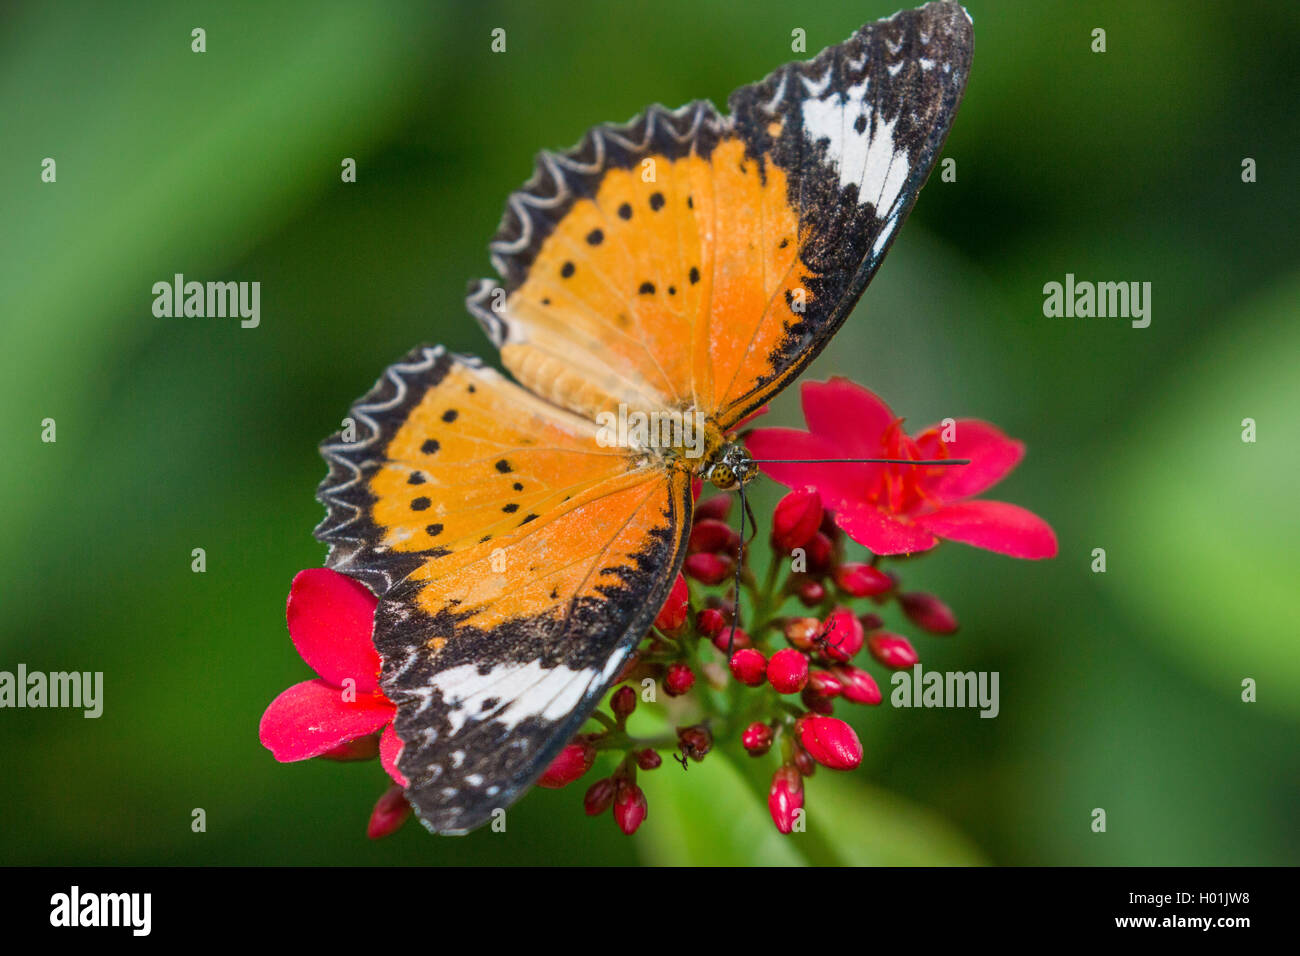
(688, 263)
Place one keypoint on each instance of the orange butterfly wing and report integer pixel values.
(691, 260)
(518, 562)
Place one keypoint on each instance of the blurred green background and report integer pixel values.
(1119, 690)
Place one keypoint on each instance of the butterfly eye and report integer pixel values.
(723, 477)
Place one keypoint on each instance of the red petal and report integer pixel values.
(390, 748)
(312, 718)
(994, 525)
(331, 617)
(992, 457)
(838, 482)
(850, 416)
(880, 533)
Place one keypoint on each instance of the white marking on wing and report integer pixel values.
(869, 158)
(886, 166)
(526, 690)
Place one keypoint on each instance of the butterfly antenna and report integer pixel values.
(740, 563)
(860, 461)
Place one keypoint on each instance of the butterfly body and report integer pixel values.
(685, 264)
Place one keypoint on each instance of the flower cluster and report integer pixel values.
(771, 679)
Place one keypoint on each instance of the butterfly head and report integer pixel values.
(731, 468)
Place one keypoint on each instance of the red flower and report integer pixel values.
(842, 635)
(757, 739)
(788, 671)
(331, 618)
(573, 761)
(679, 679)
(672, 616)
(389, 814)
(710, 622)
(749, 666)
(796, 519)
(898, 509)
(825, 684)
(785, 798)
(708, 569)
(928, 613)
(892, 650)
(598, 797)
(629, 806)
(713, 537)
(862, 580)
(832, 743)
(859, 686)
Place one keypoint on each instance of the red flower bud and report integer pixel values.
(785, 798)
(893, 651)
(573, 761)
(825, 684)
(678, 680)
(802, 632)
(788, 671)
(598, 797)
(757, 739)
(820, 551)
(796, 519)
(928, 613)
(871, 622)
(748, 666)
(623, 702)
(859, 686)
(816, 702)
(862, 580)
(389, 813)
(708, 569)
(829, 527)
(629, 806)
(803, 761)
(714, 509)
(713, 536)
(710, 621)
(695, 741)
(832, 743)
(722, 638)
(841, 635)
(649, 759)
(672, 616)
(810, 593)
